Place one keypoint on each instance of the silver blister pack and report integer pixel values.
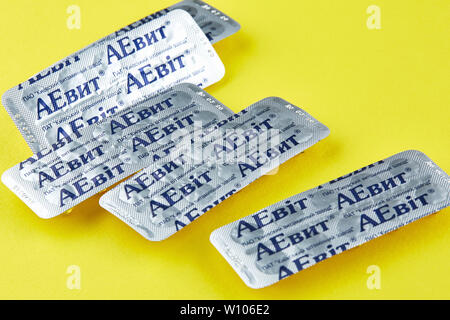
(167, 196)
(110, 75)
(296, 233)
(73, 169)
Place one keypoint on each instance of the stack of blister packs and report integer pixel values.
(131, 108)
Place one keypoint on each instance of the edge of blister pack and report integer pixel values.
(112, 151)
(411, 171)
(224, 180)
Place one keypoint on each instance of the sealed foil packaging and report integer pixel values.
(77, 167)
(110, 75)
(168, 195)
(298, 232)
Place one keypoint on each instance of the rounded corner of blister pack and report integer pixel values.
(212, 237)
(46, 215)
(102, 200)
(5, 178)
(221, 71)
(273, 99)
(327, 131)
(238, 26)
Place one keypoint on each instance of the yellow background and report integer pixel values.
(379, 91)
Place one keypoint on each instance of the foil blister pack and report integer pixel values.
(298, 232)
(77, 167)
(167, 196)
(111, 75)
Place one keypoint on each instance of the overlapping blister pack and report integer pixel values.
(73, 169)
(119, 71)
(298, 232)
(165, 197)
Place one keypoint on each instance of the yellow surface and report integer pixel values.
(379, 91)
